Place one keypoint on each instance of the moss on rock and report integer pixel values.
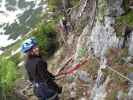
(122, 21)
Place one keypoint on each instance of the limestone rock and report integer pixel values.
(115, 7)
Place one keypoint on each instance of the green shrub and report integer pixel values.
(125, 19)
(7, 75)
(54, 4)
(122, 21)
(75, 2)
(46, 37)
(126, 5)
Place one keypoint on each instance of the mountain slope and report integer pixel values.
(19, 16)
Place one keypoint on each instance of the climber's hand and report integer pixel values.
(60, 76)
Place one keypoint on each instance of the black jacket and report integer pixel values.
(37, 70)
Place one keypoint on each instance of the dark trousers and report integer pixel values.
(56, 98)
(43, 92)
(52, 85)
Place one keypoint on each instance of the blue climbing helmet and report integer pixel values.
(28, 44)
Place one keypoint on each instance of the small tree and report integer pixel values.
(7, 76)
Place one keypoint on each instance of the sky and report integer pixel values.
(8, 17)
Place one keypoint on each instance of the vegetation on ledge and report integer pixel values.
(122, 21)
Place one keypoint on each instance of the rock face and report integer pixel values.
(99, 35)
(131, 4)
(99, 93)
(131, 44)
(103, 34)
(103, 37)
(130, 86)
(96, 35)
(115, 7)
(84, 15)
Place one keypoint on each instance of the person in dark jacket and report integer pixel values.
(43, 81)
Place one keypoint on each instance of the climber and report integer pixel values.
(43, 81)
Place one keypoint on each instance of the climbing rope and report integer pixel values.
(72, 69)
(118, 73)
(115, 71)
(66, 63)
(77, 66)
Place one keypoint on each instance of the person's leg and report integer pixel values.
(54, 86)
(40, 91)
(40, 98)
(43, 92)
(56, 98)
